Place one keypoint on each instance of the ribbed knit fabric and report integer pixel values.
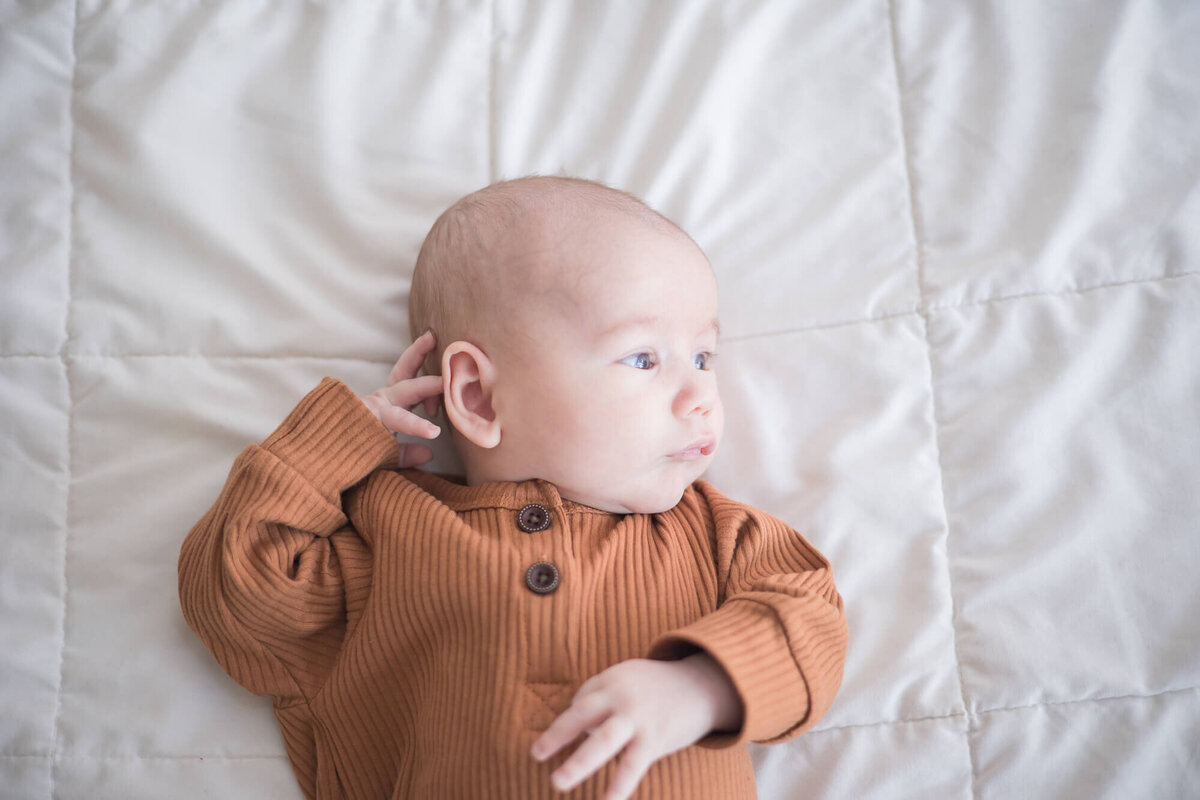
(387, 614)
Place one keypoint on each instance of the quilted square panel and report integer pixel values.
(26, 777)
(232, 776)
(1053, 145)
(921, 758)
(35, 164)
(299, 157)
(680, 102)
(1082, 413)
(1148, 746)
(831, 431)
(35, 444)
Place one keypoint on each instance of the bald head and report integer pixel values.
(506, 246)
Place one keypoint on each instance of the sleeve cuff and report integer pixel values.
(332, 439)
(749, 643)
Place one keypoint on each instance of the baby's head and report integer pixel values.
(575, 335)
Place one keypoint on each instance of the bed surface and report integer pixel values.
(958, 246)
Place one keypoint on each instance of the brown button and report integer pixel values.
(533, 518)
(542, 577)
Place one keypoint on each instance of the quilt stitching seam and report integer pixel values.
(927, 311)
(923, 313)
(55, 754)
(821, 326)
(814, 731)
(493, 56)
(1077, 292)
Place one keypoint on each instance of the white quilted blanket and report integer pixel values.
(959, 252)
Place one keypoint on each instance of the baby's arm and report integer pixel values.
(775, 645)
(779, 629)
(263, 575)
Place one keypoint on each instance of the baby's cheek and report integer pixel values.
(716, 420)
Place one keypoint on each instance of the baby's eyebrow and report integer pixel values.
(650, 321)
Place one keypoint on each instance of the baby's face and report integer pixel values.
(611, 392)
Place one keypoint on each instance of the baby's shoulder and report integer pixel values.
(387, 490)
(725, 513)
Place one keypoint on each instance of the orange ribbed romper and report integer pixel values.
(417, 635)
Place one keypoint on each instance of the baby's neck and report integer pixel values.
(483, 466)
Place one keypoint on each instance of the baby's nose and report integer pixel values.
(695, 398)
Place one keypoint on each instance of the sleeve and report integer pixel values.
(779, 630)
(260, 575)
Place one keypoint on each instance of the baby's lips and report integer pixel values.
(698, 448)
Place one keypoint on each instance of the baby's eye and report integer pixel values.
(639, 361)
(703, 360)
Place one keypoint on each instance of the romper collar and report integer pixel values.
(514, 495)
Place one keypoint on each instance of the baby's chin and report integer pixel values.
(640, 501)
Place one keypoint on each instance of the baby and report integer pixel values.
(430, 637)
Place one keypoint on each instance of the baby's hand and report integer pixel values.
(393, 404)
(643, 709)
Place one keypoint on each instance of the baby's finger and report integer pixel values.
(408, 393)
(399, 420)
(411, 359)
(431, 406)
(601, 745)
(635, 761)
(583, 713)
(413, 455)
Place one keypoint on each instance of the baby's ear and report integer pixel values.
(468, 376)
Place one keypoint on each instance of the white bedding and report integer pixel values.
(959, 252)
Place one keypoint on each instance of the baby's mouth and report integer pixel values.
(697, 449)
